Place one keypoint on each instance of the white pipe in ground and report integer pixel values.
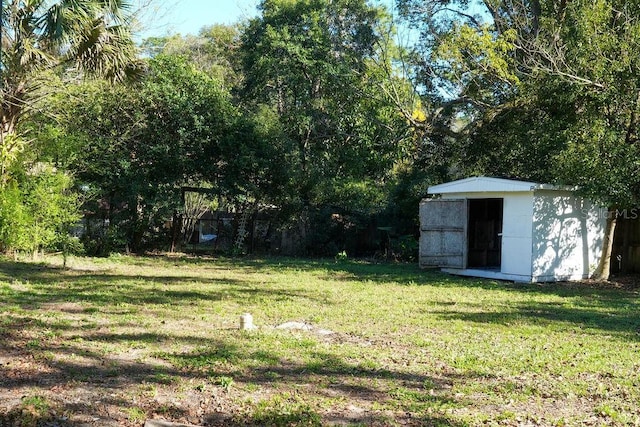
(246, 321)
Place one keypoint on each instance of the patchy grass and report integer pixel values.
(117, 341)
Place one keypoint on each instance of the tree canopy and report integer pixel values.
(312, 107)
(312, 63)
(175, 127)
(88, 37)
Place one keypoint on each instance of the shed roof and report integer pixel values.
(483, 184)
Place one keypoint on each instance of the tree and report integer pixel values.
(134, 146)
(312, 63)
(603, 64)
(91, 37)
(570, 67)
(140, 142)
(215, 50)
(37, 210)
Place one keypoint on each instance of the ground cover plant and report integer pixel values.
(121, 340)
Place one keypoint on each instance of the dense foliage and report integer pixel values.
(140, 144)
(87, 37)
(83, 38)
(318, 67)
(311, 110)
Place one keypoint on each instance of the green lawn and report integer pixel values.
(117, 341)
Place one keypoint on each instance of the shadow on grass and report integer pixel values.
(51, 284)
(35, 411)
(416, 398)
(68, 364)
(55, 383)
(619, 317)
(113, 381)
(593, 305)
(409, 274)
(74, 365)
(609, 306)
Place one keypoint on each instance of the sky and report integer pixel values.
(189, 16)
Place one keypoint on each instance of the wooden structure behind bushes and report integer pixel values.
(323, 234)
(258, 238)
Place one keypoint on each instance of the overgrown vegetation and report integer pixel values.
(289, 112)
(310, 110)
(389, 344)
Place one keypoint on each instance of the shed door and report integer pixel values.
(443, 225)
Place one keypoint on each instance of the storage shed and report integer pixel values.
(510, 230)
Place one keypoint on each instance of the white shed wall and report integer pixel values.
(517, 234)
(567, 236)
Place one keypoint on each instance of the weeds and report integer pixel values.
(225, 383)
(398, 345)
(135, 414)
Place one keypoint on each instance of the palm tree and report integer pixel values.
(90, 37)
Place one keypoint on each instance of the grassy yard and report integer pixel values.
(116, 341)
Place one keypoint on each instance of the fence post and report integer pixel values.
(174, 231)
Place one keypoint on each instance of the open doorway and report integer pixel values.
(484, 233)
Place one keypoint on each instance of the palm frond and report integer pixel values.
(93, 35)
(32, 57)
(117, 9)
(106, 51)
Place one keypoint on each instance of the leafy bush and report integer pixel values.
(37, 211)
(14, 219)
(405, 248)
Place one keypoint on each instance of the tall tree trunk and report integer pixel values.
(603, 270)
